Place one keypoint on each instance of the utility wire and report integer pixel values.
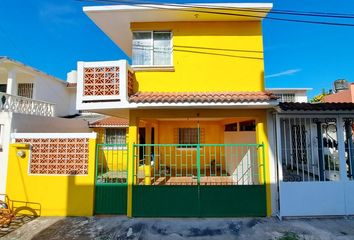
(155, 6)
(208, 7)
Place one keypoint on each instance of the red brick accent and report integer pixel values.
(101, 81)
(58, 156)
(131, 79)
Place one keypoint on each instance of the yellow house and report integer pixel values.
(193, 94)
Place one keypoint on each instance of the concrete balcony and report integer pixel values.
(18, 104)
(104, 85)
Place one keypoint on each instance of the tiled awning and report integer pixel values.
(287, 106)
(110, 122)
(201, 97)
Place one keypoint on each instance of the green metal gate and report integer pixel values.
(205, 180)
(111, 179)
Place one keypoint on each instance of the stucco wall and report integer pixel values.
(50, 195)
(55, 91)
(5, 121)
(209, 56)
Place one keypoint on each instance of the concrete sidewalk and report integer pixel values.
(170, 229)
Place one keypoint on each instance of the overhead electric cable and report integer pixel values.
(154, 5)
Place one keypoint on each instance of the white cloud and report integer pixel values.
(284, 73)
(59, 14)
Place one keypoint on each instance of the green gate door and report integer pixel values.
(199, 180)
(111, 179)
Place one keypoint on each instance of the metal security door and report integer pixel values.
(314, 177)
(111, 179)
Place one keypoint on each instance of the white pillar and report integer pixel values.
(11, 83)
(341, 150)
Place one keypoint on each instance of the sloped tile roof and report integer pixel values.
(288, 106)
(201, 97)
(110, 122)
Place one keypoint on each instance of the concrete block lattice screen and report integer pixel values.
(53, 172)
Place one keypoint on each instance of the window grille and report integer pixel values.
(188, 135)
(25, 90)
(116, 136)
(286, 97)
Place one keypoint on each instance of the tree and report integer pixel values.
(319, 98)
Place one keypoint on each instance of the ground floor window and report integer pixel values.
(115, 135)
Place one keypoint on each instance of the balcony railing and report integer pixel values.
(18, 104)
(103, 83)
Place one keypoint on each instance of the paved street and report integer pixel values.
(171, 229)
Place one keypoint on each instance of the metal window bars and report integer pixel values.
(309, 149)
(111, 164)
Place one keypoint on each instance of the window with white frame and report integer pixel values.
(25, 90)
(115, 135)
(152, 48)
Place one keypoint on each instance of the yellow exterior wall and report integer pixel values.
(208, 56)
(100, 134)
(54, 195)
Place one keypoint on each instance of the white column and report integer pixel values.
(11, 83)
(341, 150)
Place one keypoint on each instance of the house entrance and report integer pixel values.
(111, 179)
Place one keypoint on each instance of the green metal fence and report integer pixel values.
(203, 164)
(199, 180)
(111, 179)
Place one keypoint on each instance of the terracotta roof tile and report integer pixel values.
(110, 122)
(287, 106)
(201, 97)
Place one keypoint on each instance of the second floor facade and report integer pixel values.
(187, 50)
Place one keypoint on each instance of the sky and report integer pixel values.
(52, 35)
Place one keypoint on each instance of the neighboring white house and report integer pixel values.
(290, 94)
(33, 101)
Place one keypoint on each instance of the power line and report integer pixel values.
(316, 14)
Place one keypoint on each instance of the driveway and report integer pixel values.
(106, 227)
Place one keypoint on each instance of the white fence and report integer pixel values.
(17, 104)
(315, 164)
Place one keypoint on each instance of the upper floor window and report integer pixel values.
(25, 90)
(152, 48)
(286, 97)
